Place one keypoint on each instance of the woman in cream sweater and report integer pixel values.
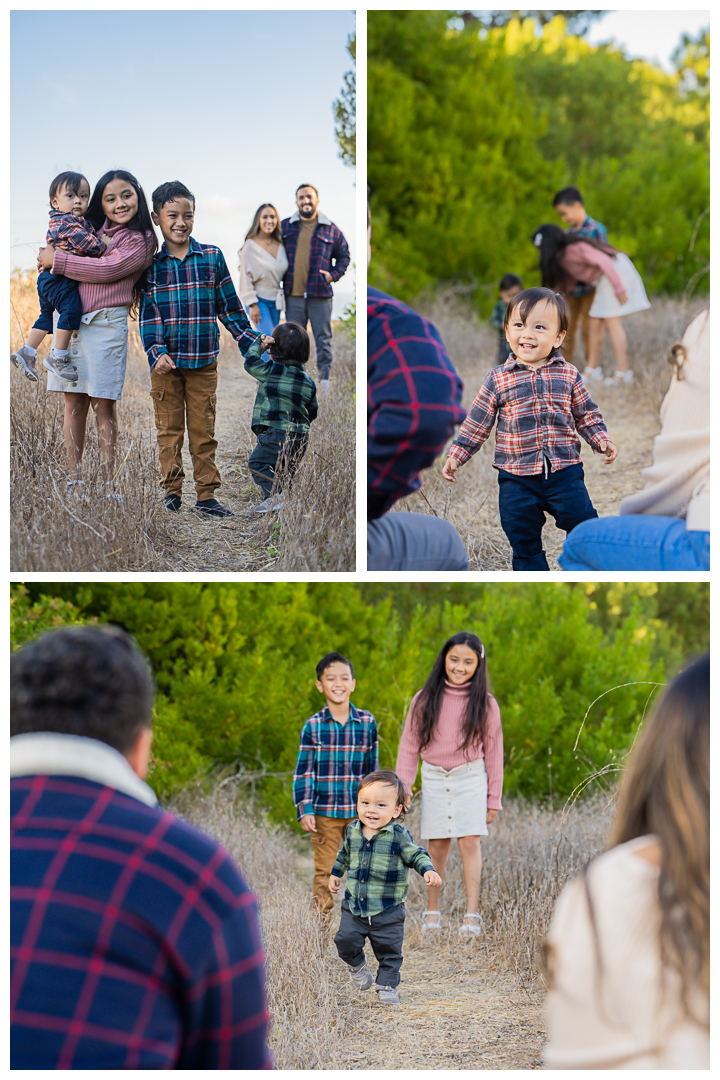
(666, 526)
(263, 264)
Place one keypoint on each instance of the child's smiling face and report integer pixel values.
(336, 683)
(377, 805)
(72, 202)
(534, 340)
(176, 220)
(460, 664)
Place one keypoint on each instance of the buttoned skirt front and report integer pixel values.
(99, 352)
(454, 803)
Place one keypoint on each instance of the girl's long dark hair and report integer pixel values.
(429, 701)
(142, 222)
(254, 229)
(551, 241)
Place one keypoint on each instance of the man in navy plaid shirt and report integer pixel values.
(318, 255)
(338, 746)
(134, 940)
(189, 289)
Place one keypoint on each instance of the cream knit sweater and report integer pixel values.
(677, 484)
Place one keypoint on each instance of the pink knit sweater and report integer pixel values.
(583, 262)
(108, 281)
(444, 747)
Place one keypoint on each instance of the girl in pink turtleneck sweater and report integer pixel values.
(453, 724)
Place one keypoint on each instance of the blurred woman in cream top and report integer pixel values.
(628, 948)
(263, 264)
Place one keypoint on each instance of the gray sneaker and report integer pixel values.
(61, 366)
(387, 994)
(361, 976)
(25, 362)
(273, 502)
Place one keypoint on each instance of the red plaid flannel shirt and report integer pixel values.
(540, 414)
(71, 233)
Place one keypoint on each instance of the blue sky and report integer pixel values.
(235, 104)
(650, 35)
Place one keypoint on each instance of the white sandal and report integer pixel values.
(430, 926)
(472, 929)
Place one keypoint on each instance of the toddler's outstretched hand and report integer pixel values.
(334, 884)
(431, 878)
(609, 449)
(266, 342)
(450, 469)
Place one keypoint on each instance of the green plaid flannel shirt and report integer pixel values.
(377, 869)
(286, 396)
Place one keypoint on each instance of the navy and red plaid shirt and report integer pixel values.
(539, 411)
(596, 231)
(414, 399)
(72, 233)
(182, 304)
(134, 939)
(327, 244)
(331, 762)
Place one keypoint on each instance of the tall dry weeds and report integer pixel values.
(50, 532)
(530, 854)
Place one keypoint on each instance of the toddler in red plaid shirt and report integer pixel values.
(69, 231)
(541, 404)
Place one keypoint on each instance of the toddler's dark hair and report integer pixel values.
(528, 298)
(169, 192)
(290, 342)
(71, 180)
(509, 281)
(568, 196)
(333, 658)
(387, 776)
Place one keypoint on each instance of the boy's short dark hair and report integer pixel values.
(82, 680)
(290, 342)
(568, 196)
(169, 192)
(333, 658)
(387, 776)
(509, 281)
(307, 185)
(528, 298)
(71, 180)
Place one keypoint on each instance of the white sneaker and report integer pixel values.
(26, 362)
(273, 502)
(592, 374)
(620, 378)
(61, 366)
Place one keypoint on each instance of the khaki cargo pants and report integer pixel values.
(187, 396)
(326, 843)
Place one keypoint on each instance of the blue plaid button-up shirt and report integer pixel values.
(331, 762)
(596, 231)
(182, 304)
(328, 251)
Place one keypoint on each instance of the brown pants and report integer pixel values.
(190, 392)
(326, 843)
(579, 308)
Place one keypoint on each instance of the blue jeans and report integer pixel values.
(405, 541)
(524, 501)
(57, 293)
(636, 542)
(269, 316)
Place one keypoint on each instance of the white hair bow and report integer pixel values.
(537, 239)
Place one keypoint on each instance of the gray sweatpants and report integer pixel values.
(385, 931)
(317, 309)
(405, 541)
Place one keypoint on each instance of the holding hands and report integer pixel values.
(266, 342)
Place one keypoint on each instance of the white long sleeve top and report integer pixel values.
(261, 273)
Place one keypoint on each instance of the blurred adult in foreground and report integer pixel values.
(134, 939)
(628, 952)
(109, 289)
(263, 264)
(666, 526)
(414, 403)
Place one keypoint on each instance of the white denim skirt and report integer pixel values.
(605, 303)
(454, 803)
(99, 352)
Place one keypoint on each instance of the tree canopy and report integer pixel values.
(472, 132)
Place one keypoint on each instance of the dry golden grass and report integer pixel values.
(464, 1005)
(315, 530)
(631, 414)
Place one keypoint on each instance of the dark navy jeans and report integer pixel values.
(385, 931)
(58, 293)
(524, 501)
(271, 444)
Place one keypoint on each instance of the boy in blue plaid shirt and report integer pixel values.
(189, 288)
(377, 853)
(338, 746)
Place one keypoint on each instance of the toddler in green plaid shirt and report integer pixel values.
(377, 854)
